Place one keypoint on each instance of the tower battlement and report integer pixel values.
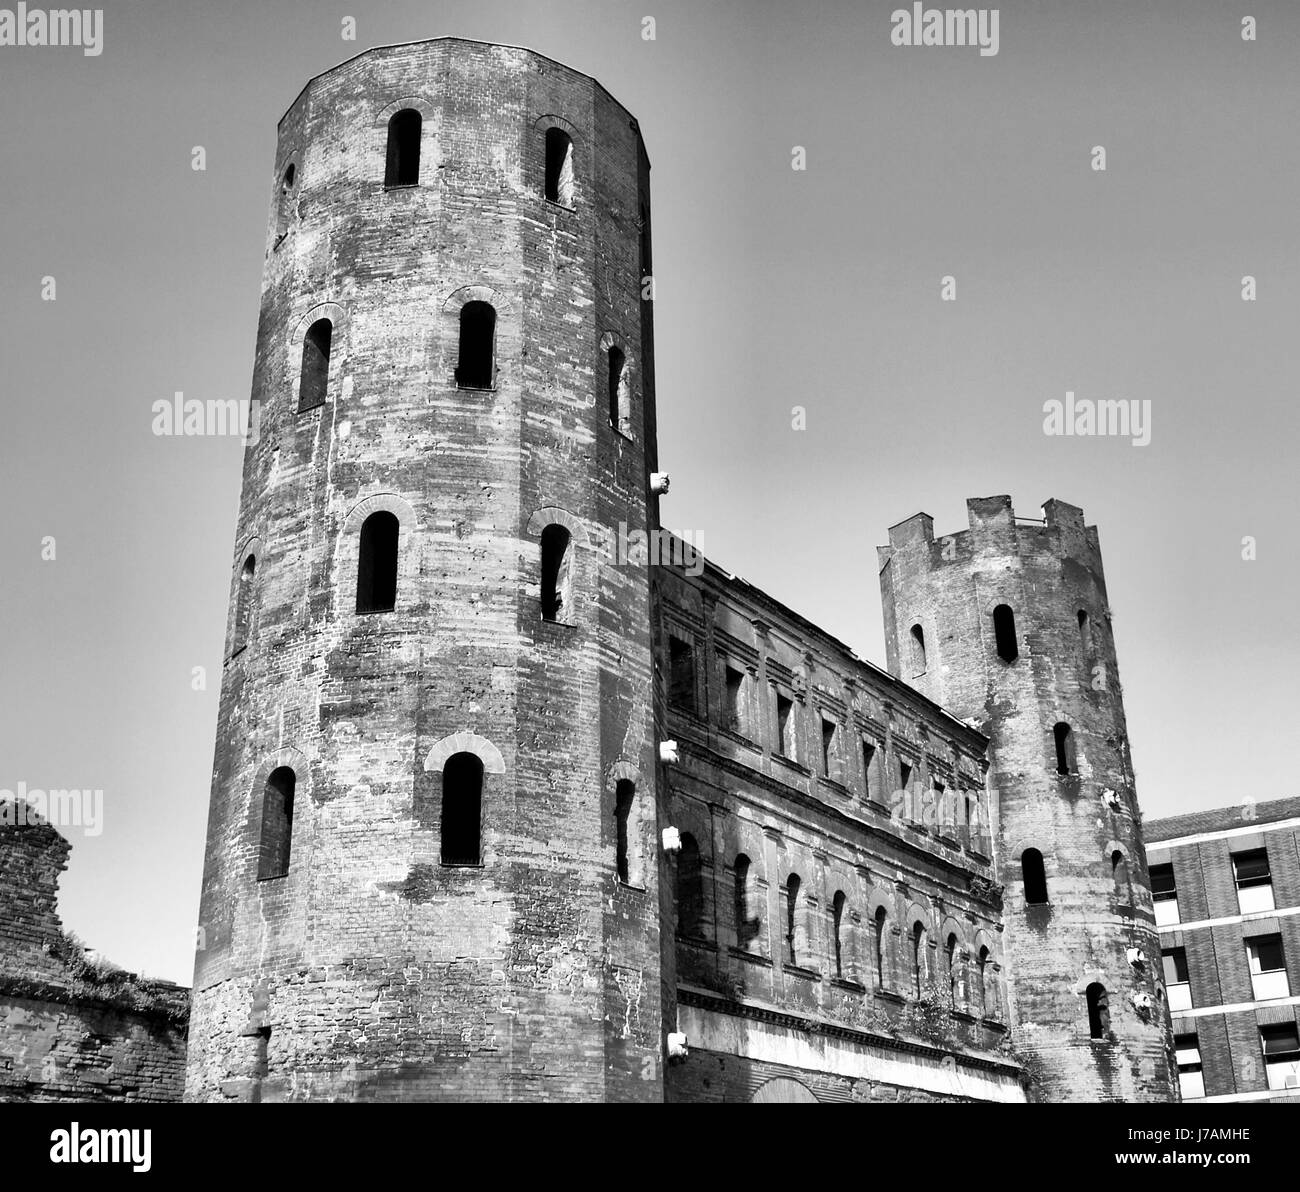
(994, 529)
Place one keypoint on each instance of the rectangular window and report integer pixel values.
(681, 674)
(1267, 967)
(1187, 1053)
(904, 775)
(868, 756)
(829, 764)
(1281, 1055)
(733, 700)
(1254, 881)
(785, 726)
(1177, 985)
(1165, 893)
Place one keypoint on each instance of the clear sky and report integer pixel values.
(775, 288)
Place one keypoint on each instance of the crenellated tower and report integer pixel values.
(431, 867)
(1007, 624)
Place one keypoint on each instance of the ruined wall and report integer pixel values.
(1085, 822)
(70, 1029)
(371, 970)
(790, 752)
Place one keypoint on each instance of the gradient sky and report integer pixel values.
(775, 288)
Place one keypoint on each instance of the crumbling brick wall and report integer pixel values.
(72, 1029)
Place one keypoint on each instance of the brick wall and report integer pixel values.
(1046, 572)
(69, 1029)
(371, 970)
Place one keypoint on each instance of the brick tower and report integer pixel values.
(1008, 624)
(431, 866)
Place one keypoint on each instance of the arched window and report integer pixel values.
(625, 827)
(918, 956)
(559, 167)
(792, 919)
(284, 203)
(476, 362)
(1004, 632)
(1033, 876)
(1119, 874)
(690, 889)
(1085, 631)
(277, 823)
(837, 924)
(746, 925)
(313, 379)
(1064, 738)
(244, 604)
(402, 163)
(918, 650)
(982, 965)
(462, 809)
(881, 919)
(377, 564)
(619, 414)
(557, 575)
(950, 953)
(1098, 1011)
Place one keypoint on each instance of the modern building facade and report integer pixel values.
(1226, 885)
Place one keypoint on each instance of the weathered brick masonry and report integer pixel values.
(809, 887)
(1075, 803)
(72, 1030)
(370, 970)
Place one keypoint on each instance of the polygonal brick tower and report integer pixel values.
(431, 865)
(1008, 624)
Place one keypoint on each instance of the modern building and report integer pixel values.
(1226, 885)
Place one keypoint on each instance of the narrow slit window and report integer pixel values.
(1034, 877)
(313, 377)
(918, 957)
(462, 810)
(950, 955)
(681, 674)
(559, 167)
(1119, 873)
(617, 364)
(792, 919)
(1004, 632)
(476, 360)
(402, 163)
(746, 926)
(982, 975)
(734, 700)
(690, 889)
(918, 650)
(377, 564)
(244, 604)
(868, 758)
(1098, 1010)
(277, 823)
(284, 204)
(1085, 631)
(1063, 736)
(785, 726)
(829, 765)
(881, 920)
(625, 828)
(838, 904)
(557, 575)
